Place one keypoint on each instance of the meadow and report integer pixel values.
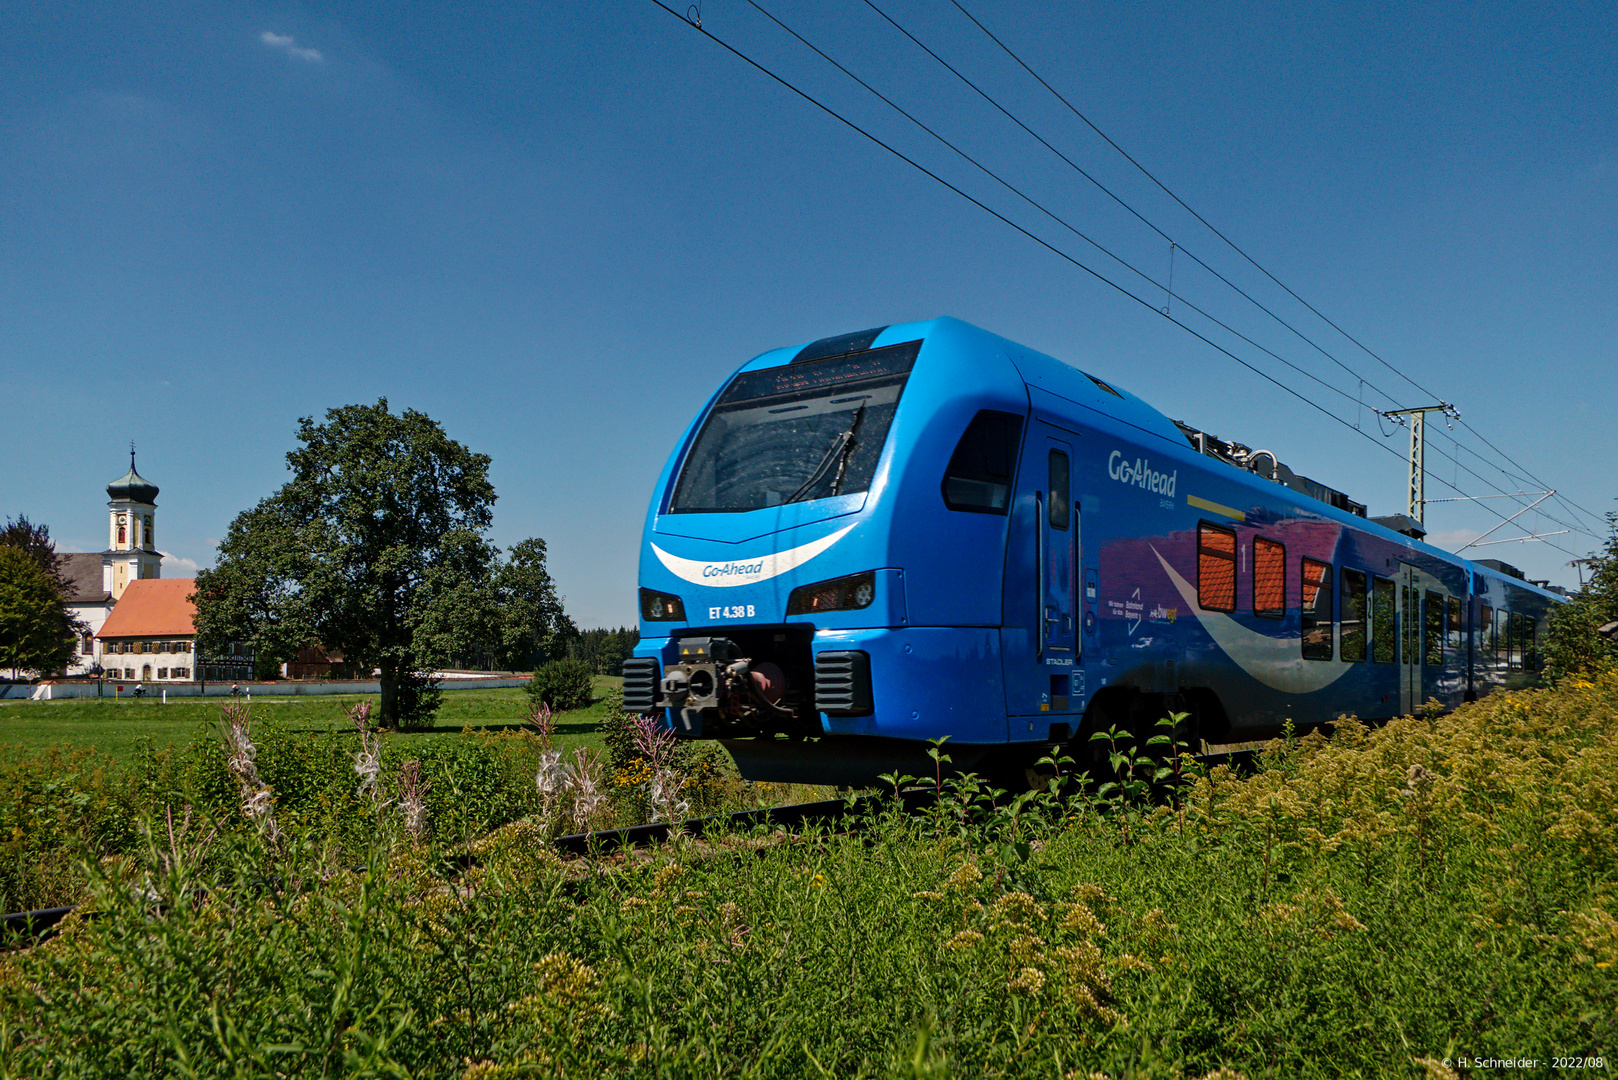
(121, 727)
(1397, 902)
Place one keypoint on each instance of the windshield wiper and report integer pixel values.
(848, 448)
(840, 449)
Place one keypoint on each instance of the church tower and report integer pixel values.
(131, 553)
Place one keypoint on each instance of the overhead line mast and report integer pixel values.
(1417, 494)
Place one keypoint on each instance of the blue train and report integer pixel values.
(925, 530)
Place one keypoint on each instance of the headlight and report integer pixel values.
(661, 607)
(840, 594)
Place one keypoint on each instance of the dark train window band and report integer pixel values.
(1432, 645)
(1384, 621)
(980, 471)
(1058, 501)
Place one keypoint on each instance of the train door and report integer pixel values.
(1042, 582)
(1414, 584)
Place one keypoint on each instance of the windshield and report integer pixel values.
(795, 433)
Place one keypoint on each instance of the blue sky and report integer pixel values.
(556, 227)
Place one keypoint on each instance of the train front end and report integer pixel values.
(774, 601)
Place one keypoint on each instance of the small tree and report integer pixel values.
(36, 631)
(1573, 645)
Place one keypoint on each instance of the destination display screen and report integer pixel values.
(817, 374)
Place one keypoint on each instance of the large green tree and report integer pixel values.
(375, 548)
(36, 631)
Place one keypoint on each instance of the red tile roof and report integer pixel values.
(153, 607)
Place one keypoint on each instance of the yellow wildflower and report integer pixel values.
(1027, 981)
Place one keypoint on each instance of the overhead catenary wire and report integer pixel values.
(1232, 244)
(1168, 288)
(1522, 480)
(1501, 494)
(1564, 500)
(1164, 188)
(1255, 264)
(1065, 256)
(1002, 218)
(1174, 244)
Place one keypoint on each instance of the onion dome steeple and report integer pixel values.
(132, 486)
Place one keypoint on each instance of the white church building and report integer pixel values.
(131, 633)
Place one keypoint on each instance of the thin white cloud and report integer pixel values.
(289, 45)
(180, 567)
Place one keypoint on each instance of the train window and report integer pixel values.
(1058, 508)
(1486, 636)
(1216, 568)
(1454, 640)
(978, 478)
(1269, 578)
(1432, 645)
(1530, 656)
(794, 433)
(1384, 619)
(1514, 643)
(1316, 610)
(1502, 639)
(1353, 615)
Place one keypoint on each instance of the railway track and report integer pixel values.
(23, 928)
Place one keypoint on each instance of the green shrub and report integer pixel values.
(55, 806)
(418, 698)
(563, 685)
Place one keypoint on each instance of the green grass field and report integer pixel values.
(117, 727)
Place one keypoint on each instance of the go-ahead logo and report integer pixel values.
(1141, 474)
(746, 571)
